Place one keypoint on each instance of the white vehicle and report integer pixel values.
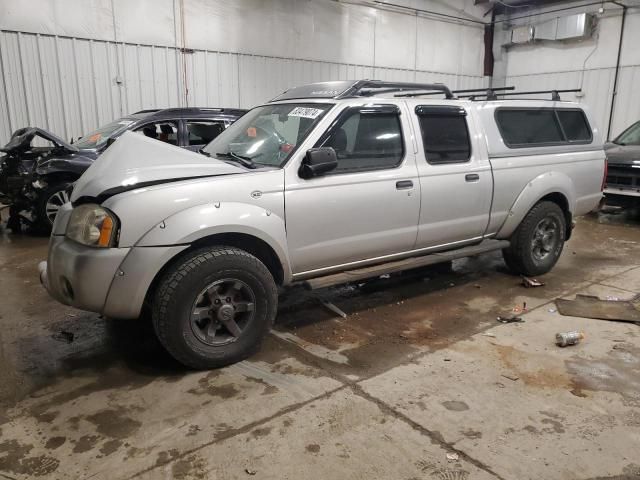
(328, 183)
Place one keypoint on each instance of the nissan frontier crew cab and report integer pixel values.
(328, 183)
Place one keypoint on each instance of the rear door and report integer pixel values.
(455, 177)
(368, 207)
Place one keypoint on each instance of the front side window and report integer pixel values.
(164, 131)
(201, 132)
(366, 139)
(102, 134)
(445, 135)
(267, 135)
(631, 136)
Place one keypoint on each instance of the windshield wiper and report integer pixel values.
(241, 159)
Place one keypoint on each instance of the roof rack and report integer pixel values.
(480, 91)
(365, 88)
(360, 88)
(492, 95)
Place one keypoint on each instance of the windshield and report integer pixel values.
(267, 135)
(101, 135)
(631, 136)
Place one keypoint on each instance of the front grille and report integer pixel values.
(623, 177)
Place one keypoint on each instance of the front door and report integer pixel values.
(368, 207)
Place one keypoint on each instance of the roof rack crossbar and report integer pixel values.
(456, 92)
(555, 94)
(372, 87)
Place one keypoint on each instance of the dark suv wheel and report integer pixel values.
(49, 202)
(214, 306)
(537, 243)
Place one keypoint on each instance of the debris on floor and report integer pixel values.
(588, 306)
(333, 308)
(568, 338)
(453, 457)
(250, 472)
(520, 309)
(63, 336)
(513, 378)
(512, 319)
(531, 282)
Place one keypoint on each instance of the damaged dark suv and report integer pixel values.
(38, 168)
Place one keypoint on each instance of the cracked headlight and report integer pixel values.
(93, 226)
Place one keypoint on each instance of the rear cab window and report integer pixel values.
(445, 134)
(527, 127)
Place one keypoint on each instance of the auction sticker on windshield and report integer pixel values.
(305, 112)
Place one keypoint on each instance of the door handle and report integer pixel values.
(472, 177)
(404, 184)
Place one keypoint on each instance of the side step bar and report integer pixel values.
(406, 264)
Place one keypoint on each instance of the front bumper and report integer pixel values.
(111, 281)
(78, 275)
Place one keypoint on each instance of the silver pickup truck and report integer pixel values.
(328, 183)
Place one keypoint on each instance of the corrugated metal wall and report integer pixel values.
(72, 85)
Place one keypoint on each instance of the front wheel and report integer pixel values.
(537, 243)
(214, 306)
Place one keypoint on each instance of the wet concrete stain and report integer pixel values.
(312, 448)
(85, 443)
(18, 462)
(208, 386)
(472, 434)
(166, 456)
(455, 405)
(55, 442)
(261, 432)
(110, 447)
(619, 372)
(114, 423)
(268, 389)
(190, 467)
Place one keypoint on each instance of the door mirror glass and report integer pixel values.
(318, 161)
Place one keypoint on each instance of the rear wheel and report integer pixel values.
(214, 307)
(537, 243)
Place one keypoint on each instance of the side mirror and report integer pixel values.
(317, 162)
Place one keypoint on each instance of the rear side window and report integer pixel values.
(542, 126)
(575, 125)
(445, 135)
(366, 139)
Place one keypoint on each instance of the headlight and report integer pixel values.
(93, 226)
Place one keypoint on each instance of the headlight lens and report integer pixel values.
(93, 226)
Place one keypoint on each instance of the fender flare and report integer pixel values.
(200, 221)
(541, 186)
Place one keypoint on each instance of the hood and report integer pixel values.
(135, 161)
(21, 140)
(622, 154)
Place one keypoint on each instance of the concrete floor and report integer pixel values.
(418, 382)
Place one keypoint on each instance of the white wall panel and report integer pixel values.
(589, 64)
(72, 65)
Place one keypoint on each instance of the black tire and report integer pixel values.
(54, 194)
(185, 283)
(533, 253)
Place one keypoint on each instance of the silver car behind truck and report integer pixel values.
(328, 183)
